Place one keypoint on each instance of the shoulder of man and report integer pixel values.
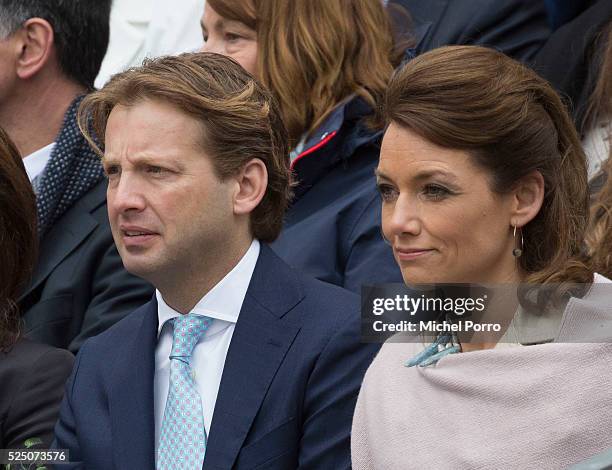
(323, 311)
(122, 330)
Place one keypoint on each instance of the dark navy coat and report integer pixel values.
(518, 28)
(571, 60)
(332, 229)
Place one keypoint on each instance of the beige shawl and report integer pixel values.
(545, 406)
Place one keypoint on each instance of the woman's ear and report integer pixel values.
(252, 182)
(528, 196)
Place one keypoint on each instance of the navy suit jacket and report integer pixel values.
(287, 394)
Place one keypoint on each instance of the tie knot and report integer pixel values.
(188, 329)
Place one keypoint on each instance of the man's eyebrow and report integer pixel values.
(142, 160)
(380, 174)
(106, 160)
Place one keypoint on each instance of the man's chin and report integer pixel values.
(140, 268)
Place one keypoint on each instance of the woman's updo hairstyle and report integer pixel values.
(513, 123)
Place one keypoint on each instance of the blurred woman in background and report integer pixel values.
(483, 180)
(32, 376)
(598, 144)
(328, 63)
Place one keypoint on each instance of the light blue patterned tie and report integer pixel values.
(182, 440)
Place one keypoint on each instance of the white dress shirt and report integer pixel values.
(223, 303)
(36, 162)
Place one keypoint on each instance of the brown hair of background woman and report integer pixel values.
(599, 233)
(314, 53)
(18, 237)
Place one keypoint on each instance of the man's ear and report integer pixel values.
(35, 39)
(252, 182)
(527, 199)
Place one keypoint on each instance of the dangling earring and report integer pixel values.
(517, 252)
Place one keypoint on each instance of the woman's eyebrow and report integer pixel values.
(421, 175)
(427, 174)
(219, 24)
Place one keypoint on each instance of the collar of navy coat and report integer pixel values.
(334, 143)
(344, 131)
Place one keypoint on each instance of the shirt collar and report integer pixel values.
(36, 162)
(224, 300)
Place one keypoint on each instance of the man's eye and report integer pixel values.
(436, 192)
(155, 170)
(111, 170)
(387, 193)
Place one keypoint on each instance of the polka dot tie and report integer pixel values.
(182, 441)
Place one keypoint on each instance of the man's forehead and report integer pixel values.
(151, 129)
(154, 117)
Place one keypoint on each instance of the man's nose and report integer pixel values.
(124, 194)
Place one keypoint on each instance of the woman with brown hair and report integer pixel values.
(32, 375)
(483, 180)
(327, 62)
(597, 144)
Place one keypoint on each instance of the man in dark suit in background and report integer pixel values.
(239, 358)
(518, 28)
(50, 53)
(571, 58)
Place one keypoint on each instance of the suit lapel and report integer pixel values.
(131, 395)
(65, 236)
(259, 344)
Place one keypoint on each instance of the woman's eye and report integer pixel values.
(436, 192)
(231, 37)
(387, 193)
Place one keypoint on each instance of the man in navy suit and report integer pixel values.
(239, 361)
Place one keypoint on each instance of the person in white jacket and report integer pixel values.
(150, 28)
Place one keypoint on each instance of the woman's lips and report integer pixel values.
(408, 254)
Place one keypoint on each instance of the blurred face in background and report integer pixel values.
(230, 38)
(440, 215)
